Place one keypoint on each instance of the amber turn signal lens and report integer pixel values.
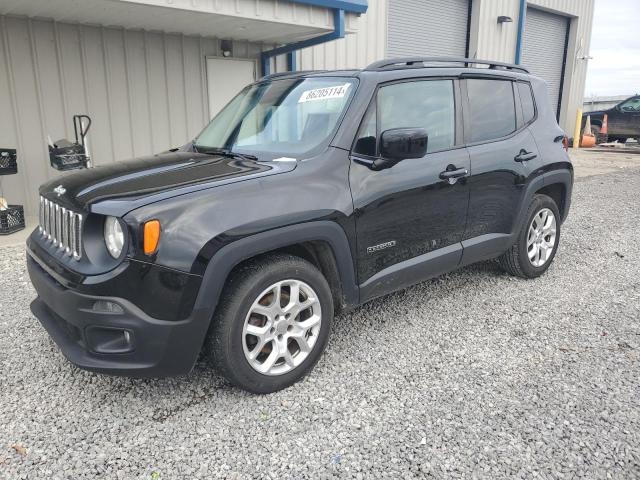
(151, 236)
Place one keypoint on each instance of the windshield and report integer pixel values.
(287, 117)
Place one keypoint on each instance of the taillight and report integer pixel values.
(565, 143)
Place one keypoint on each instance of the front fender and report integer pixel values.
(225, 259)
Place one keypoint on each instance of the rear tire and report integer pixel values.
(537, 241)
(264, 337)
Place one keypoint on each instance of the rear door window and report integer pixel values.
(492, 112)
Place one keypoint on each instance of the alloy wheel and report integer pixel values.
(281, 327)
(541, 237)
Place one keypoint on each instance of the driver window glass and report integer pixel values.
(427, 104)
(632, 105)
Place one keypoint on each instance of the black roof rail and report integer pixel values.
(413, 62)
(297, 73)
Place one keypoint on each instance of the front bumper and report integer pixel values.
(121, 341)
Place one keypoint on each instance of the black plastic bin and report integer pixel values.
(8, 161)
(11, 219)
(67, 156)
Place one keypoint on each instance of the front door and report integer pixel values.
(412, 214)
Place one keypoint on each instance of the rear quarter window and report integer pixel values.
(526, 99)
(492, 112)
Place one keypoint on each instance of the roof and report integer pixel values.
(407, 63)
(439, 62)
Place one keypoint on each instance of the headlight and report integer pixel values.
(113, 236)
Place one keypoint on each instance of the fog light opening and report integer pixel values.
(105, 306)
(109, 340)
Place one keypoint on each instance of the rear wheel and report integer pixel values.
(272, 324)
(537, 242)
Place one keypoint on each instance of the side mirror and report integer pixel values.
(399, 144)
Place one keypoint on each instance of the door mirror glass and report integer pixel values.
(402, 143)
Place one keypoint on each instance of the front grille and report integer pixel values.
(61, 226)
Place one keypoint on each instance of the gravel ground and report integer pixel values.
(475, 374)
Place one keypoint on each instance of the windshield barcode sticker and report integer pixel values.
(324, 93)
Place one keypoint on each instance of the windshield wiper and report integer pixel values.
(225, 152)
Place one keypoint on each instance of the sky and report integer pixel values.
(615, 48)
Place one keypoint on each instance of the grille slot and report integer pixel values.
(62, 226)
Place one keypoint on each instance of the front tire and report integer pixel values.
(537, 243)
(272, 323)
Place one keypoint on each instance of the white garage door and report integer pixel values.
(225, 78)
(544, 50)
(427, 28)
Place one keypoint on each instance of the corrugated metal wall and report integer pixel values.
(268, 21)
(145, 92)
(355, 50)
(490, 40)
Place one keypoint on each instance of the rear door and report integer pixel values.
(503, 154)
(408, 211)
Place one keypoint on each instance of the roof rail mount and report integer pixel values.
(296, 73)
(414, 62)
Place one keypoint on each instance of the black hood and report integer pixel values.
(595, 113)
(155, 177)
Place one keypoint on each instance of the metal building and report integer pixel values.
(151, 73)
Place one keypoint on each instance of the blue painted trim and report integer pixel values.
(339, 32)
(354, 6)
(292, 61)
(521, 20)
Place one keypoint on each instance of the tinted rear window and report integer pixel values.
(526, 98)
(493, 113)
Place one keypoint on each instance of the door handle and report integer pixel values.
(524, 156)
(453, 173)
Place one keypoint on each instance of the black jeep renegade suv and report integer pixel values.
(309, 193)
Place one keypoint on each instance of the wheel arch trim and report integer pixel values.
(229, 256)
(562, 176)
